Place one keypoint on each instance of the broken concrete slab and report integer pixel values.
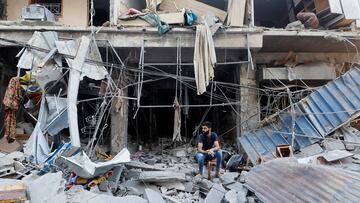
(161, 176)
(188, 186)
(310, 150)
(333, 144)
(216, 194)
(78, 194)
(17, 156)
(172, 185)
(229, 177)
(48, 188)
(336, 155)
(238, 187)
(142, 166)
(231, 197)
(153, 196)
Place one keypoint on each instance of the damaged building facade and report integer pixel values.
(115, 91)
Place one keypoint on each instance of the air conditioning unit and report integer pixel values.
(37, 12)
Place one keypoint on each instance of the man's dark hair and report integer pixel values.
(207, 124)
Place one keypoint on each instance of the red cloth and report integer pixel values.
(11, 101)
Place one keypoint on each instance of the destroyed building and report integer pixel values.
(103, 100)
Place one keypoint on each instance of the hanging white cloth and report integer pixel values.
(204, 57)
(177, 121)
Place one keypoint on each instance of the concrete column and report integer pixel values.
(249, 109)
(119, 126)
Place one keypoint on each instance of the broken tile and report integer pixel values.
(153, 196)
(161, 176)
(216, 194)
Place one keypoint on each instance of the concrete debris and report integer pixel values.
(172, 185)
(231, 197)
(161, 176)
(242, 176)
(333, 144)
(153, 196)
(229, 177)
(216, 194)
(310, 150)
(51, 184)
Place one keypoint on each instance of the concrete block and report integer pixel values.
(231, 197)
(153, 196)
(229, 177)
(333, 144)
(242, 176)
(48, 188)
(216, 194)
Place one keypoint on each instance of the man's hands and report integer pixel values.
(210, 152)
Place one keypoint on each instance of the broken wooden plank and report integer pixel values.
(199, 8)
(13, 193)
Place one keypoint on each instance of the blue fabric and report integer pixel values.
(190, 17)
(201, 158)
(154, 20)
(208, 142)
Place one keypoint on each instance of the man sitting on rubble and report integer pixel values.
(208, 148)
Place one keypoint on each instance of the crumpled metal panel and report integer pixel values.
(317, 115)
(335, 103)
(285, 180)
(262, 142)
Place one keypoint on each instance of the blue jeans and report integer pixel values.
(201, 158)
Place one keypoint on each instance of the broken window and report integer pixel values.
(55, 6)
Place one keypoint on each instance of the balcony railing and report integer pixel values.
(55, 8)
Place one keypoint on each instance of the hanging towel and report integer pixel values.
(204, 57)
(177, 121)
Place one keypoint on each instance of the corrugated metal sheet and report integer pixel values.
(263, 142)
(335, 103)
(319, 114)
(285, 180)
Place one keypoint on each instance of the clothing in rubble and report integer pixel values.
(11, 101)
